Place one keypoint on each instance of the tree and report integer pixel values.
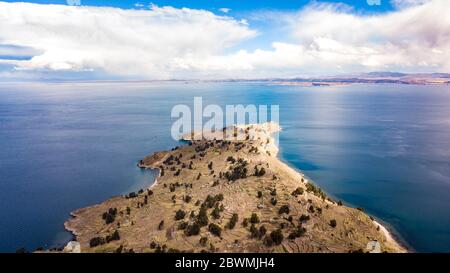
(193, 229)
(304, 218)
(187, 198)
(203, 241)
(333, 223)
(296, 233)
(114, 237)
(183, 225)
(284, 209)
(216, 212)
(277, 236)
(232, 223)
(215, 229)
(273, 201)
(298, 191)
(180, 214)
(202, 218)
(254, 219)
(161, 225)
(96, 241)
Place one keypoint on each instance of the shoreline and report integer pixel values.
(85, 221)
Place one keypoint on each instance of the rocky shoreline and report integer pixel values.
(232, 195)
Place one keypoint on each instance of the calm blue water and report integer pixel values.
(385, 148)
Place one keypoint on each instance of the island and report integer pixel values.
(226, 191)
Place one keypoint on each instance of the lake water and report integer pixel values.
(385, 148)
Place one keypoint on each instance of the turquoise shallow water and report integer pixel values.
(385, 148)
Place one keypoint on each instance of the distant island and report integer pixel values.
(216, 195)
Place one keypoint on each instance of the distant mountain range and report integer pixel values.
(372, 77)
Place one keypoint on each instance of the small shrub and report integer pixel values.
(182, 225)
(254, 219)
(161, 225)
(202, 218)
(193, 229)
(233, 220)
(277, 236)
(187, 198)
(273, 201)
(114, 237)
(297, 192)
(298, 232)
(215, 229)
(333, 223)
(96, 241)
(284, 209)
(259, 194)
(216, 212)
(180, 214)
(304, 218)
(203, 241)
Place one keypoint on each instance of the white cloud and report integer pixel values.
(224, 10)
(331, 39)
(185, 43)
(141, 43)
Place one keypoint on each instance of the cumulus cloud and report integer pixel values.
(120, 42)
(166, 42)
(224, 10)
(332, 39)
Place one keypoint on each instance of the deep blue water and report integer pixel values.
(385, 148)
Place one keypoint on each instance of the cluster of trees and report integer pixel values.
(174, 186)
(259, 172)
(237, 171)
(297, 192)
(274, 238)
(96, 241)
(304, 218)
(110, 215)
(315, 190)
(297, 232)
(231, 159)
(211, 201)
(257, 233)
(131, 195)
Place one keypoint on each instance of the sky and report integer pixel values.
(220, 39)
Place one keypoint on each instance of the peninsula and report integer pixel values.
(226, 191)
